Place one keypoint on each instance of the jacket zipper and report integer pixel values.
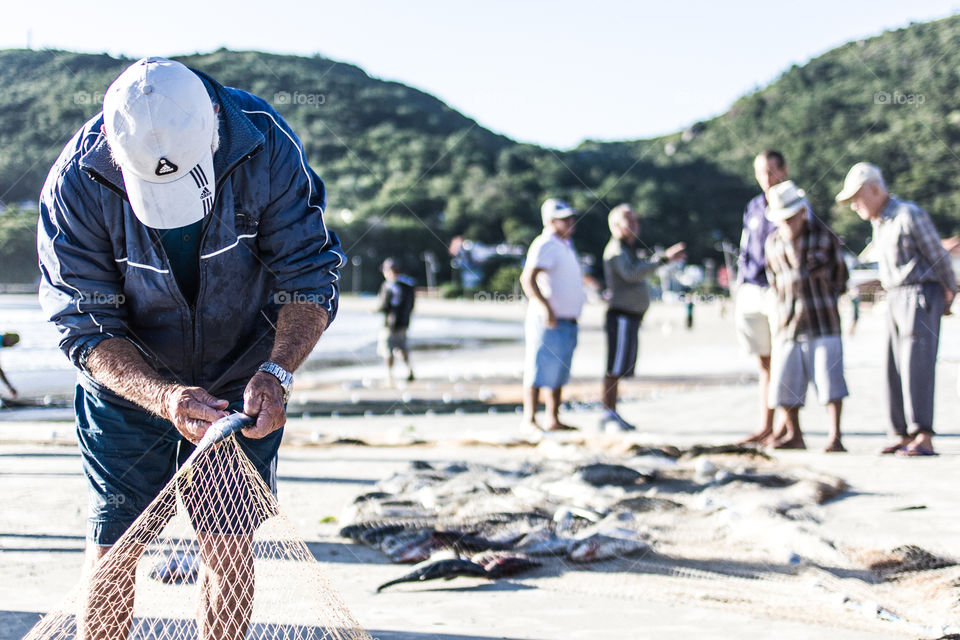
(195, 317)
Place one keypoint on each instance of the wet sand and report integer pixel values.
(694, 387)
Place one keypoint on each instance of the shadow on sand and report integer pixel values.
(16, 624)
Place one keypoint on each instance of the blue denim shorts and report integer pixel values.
(129, 455)
(549, 353)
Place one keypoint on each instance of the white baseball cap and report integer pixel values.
(553, 209)
(160, 124)
(859, 175)
(785, 200)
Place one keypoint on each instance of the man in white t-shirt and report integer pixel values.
(553, 281)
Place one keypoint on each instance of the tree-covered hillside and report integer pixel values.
(893, 100)
(405, 173)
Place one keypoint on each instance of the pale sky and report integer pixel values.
(553, 73)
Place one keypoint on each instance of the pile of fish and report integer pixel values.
(496, 521)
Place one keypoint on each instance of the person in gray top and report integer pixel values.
(629, 297)
(916, 273)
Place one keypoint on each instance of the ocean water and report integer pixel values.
(351, 339)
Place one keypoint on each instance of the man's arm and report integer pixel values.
(383, 302)
(117, 364)
(637, 271)
(841, 274)
(3, 377)
(928, 242)
(528, 280)
(299, 327)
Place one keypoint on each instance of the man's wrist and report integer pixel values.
(280, 374)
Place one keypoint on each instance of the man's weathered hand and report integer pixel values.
(192, 410)
(948, 296)
(551, 317)
(263, 400)
(676, 252)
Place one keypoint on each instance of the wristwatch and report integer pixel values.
(281, 374)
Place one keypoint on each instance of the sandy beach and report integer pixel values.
(694, 386)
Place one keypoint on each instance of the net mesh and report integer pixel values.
(736, 531)
(211, 557)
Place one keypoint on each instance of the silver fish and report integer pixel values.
(602, 547)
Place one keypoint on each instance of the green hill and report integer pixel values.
(405, 173)
(893, 100)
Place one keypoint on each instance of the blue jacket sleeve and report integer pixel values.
(80, 286)
(298, 249)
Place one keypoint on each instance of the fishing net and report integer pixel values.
(725, 528)
(211, 557)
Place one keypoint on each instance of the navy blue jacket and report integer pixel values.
(105, 274)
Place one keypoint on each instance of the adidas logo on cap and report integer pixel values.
(165, 167)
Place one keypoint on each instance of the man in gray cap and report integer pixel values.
(915, 272)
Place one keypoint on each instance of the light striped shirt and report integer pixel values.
(908, 248)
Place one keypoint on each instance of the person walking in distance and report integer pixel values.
(397, 296)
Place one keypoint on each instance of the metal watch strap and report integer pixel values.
(284, 377)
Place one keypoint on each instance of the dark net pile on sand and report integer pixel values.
(216, 513)
(727, 527)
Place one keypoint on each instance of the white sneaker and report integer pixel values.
(614, 423)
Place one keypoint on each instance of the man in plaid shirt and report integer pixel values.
(916, 274)
(805, 267)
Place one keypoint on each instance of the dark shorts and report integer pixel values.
(623, 342)
(129, 455)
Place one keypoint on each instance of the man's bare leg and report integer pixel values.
(388, 360)
(766, 411)
(225, 586)
(553, 411)
(405, 356)
(834, 445)
(610, 386)
(531, 398)
(793, 436)
(106, 611)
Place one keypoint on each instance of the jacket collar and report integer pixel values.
(889, 209)
(238, 138)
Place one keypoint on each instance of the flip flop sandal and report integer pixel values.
(892, 449)
(559, 427)
(915, 453)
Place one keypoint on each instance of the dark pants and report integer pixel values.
(913, 326)
(129, 455)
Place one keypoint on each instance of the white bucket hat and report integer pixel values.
(784, 201)
(160, 124)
